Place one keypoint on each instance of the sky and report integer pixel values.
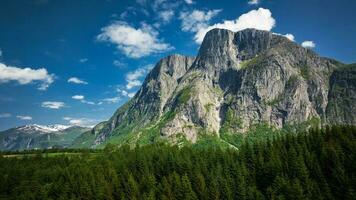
(76, 62)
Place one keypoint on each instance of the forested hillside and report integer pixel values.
(320, 164)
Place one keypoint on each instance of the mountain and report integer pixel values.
(237, 80)
(39, 137)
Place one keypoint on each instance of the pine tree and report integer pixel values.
(199, 185)
(132, 189)
(187, 190)
(165, 189)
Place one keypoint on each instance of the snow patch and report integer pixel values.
(43, 128)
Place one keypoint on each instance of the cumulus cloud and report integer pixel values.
(23, 117)
(78, 97)
(76, 81)
(308, 44)
(26, 76)
(133, 42)
(259, 19)
(288, 36)
(85, 122)
(253, 2)
(5, 115)
(133, 77)
(196, 20)
(166, 15)
(53, 104)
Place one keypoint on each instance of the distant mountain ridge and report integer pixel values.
(34, 136)
(43, 128)
(238, 80)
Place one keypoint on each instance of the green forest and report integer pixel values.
(317, 164)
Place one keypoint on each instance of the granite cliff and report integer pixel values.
(237, 80)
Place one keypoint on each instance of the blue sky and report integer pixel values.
(76, 62)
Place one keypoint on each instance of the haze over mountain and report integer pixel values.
(237, 80)
(36, 136)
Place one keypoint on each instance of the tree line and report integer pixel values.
(318, 164)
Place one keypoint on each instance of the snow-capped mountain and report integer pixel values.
(35, 136)
(43, 128)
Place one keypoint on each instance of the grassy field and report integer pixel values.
(49, 154)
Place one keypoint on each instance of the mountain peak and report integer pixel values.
(243, 45)
(43, 128)
(238, 79)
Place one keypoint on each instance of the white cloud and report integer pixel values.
(132, 94)
(253, 2)
(86, 122)
(133, 83)
(26, 76)
(83, 60)
(197, 19)
(53, 104)
(119, 64)
(82, 99)
(122, 93)
(133, 77)
(77, 81)
(164, 5)
(308, 44)
(189, 1)
(133, 80)
(259, 19)
(87, 102)
(22, 117)
(133, 42)
(78, 97)
(5, 115)
(166, 15)
(126, 93)
(288, 36)
(112, 100)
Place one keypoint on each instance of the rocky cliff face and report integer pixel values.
(148, 103)
(236, 81)
(342, 96)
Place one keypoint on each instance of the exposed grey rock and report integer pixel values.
(256, 75)
(147, 105)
